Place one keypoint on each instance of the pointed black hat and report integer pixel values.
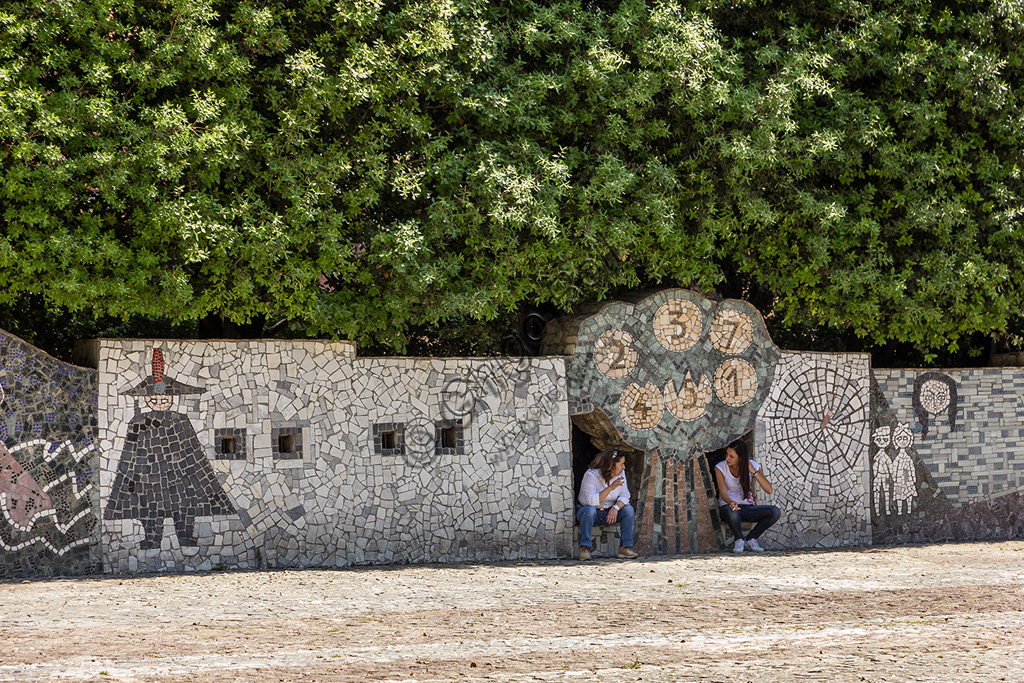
(159, 384)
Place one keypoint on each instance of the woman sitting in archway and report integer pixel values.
(604, 500)
(735, 476)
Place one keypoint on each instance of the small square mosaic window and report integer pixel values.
(389, 438)
(229, 444)
(448, 438)
(287, 443)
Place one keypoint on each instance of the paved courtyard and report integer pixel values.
(945, 613)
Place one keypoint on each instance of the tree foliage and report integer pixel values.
(362, 167)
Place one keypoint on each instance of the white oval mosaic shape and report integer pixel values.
(935, 396)
(736, 382)
(690, 400)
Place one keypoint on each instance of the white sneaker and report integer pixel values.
(752, 544)
(737, 547)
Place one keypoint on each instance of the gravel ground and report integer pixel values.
(945, 613)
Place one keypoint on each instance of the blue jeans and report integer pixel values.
(763, 516)
(588, 516)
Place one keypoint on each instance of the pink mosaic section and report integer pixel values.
(48, 464)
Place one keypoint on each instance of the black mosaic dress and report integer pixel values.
(164, 473)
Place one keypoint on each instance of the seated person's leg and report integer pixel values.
(733, 519)
(763, 517)
(625, 521)
(585, 515)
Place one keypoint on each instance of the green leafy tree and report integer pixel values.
(375, 169)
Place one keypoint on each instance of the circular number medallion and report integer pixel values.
(641, 406)
(677, 324)
(731, 331)
(690, 400)
(735, 382)
(615, 355)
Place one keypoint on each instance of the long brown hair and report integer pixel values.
(743, 460)
(604, 461)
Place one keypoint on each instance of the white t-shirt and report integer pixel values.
(732, 484)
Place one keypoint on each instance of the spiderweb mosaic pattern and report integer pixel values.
(813, 440)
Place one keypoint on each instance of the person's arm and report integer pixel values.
(590, 489)
(624, 493)
(723, 491)
(759, 477)
(621, 502)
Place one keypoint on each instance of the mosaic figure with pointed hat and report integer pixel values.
(163, 471)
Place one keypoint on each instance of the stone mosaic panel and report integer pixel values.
(687, 373)
(615, 354)
(48, 463)
(449, 438)
(707, 534)
(973, 448)
(902, 489)
(162, 472)
(389, 438)
(641, 406)
(935, 394)
(999, 519)
(812, 438)
(676, 496)
(504, 491)
(479, 466)
(286, 441)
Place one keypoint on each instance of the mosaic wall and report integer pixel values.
(812, 438)
(198, 455)
(258, 453)
(948, 454)
(855, 457)
(48, 464)
(682, 515)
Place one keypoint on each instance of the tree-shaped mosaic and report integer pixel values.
(674, 375)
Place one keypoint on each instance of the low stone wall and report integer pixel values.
(960, 436)
(812, 437)
(318, 458)
(198, 455)
(194, 455)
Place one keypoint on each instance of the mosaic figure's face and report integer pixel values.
(902, 436)
(935, 396)
(162, 402)
(882, 436)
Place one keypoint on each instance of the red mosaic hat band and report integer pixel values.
(159, 384)
(158, 365)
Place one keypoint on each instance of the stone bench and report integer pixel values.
(606, 540)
